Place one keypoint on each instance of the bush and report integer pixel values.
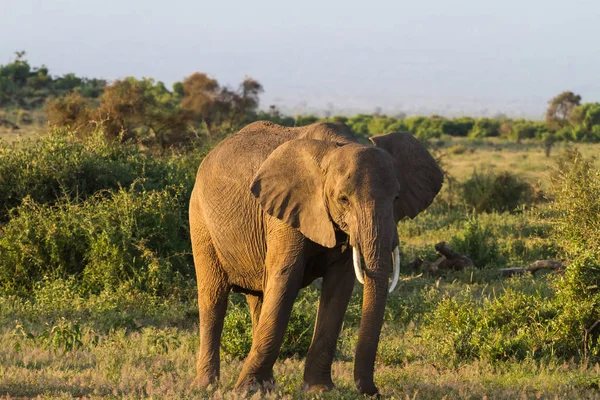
(485, 127)
(61, 164)
(72, 110)
(504, 328)
(488, 192)
(576, 226)
(478, 243)
(132, 236)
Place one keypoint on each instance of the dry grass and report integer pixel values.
(129, 365)
(526, 159)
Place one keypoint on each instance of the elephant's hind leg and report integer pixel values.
(213, 289)
(255, 303)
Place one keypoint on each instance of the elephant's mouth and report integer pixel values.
(358, 270)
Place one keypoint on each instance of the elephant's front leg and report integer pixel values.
(284, 268)
(336, 291)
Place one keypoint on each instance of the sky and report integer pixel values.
(449, 57)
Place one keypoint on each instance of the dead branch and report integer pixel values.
(534, 267)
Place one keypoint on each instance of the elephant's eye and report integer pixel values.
(344, 200)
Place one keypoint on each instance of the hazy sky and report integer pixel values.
(421, 56)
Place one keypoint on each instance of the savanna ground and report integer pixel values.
(452, 334)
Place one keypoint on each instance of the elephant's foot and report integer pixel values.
(317, 381)
(318, 387)
(203, 382)
(253, 382)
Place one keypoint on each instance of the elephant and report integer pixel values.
(274, 208)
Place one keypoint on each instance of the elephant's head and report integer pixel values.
(319, 187)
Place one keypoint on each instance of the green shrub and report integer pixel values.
(510, 326)
(576, 226)
(487, 192)
(485, 127)
(134, 236)
(236, 338)
(478, 243)
(60, 164)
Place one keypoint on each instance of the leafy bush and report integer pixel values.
(576, 223)
(134, 236)
(487, 192)
(60, 164)
(503, 328)
(478, 243)
(485, 127)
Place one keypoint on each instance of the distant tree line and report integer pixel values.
(23, 86)
(147, 111)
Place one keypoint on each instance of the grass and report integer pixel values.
(129, 366)
(525, 159)
(47, 356)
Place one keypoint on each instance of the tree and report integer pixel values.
(143, 109)
(122, 107)
(560, 109)
(485, 127)
(199, 96)
(71, 110)
(245, 101)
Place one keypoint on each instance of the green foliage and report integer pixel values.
(458, 127)
(576, 222)
(534, 324)
(507, 327)
(236, 338)
(130, 235)
(560, 109)
(303, 120)
(90, 208)
(487, 192)
(576, 190)
(60, 164)
(22, 86)
(478, 243)
(485, 127)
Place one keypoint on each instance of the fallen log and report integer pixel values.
(534, 267)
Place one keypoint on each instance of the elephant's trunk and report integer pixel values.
(376, 247)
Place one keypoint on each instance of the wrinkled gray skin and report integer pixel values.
(275, 208)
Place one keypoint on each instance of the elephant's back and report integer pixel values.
(240, 156)
(245, 151)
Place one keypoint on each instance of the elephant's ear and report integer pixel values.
(289, 186)
(417, 172)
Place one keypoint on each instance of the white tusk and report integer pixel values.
(396, 269)
(357, 267)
